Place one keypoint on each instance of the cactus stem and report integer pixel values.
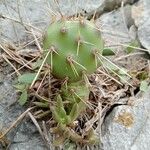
(79, 41)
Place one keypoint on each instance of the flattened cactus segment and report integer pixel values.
(72, 46)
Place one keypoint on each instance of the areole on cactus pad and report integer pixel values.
(73, 46)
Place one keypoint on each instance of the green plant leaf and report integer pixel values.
(55, 115)
(144, 86)
(59, 115)
(27, 78)
(23, 98)
(60, 108)
(74, 112)
(59, 102)
(108, 52)
(20, 87)
(62, 113)
(132, 46)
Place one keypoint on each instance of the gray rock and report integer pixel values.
(7, 99)
(36, 13)
(143, 26)
(128, 127)
(27, 138)
(68, 8)
(24, 136)
(115, 26)
(107, 6)
(26, 12)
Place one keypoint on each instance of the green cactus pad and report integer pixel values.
(72, 45)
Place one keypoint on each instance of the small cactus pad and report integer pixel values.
(73, 46)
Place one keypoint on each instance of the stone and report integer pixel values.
(24, 136)
(108, 6)
(26, 13)
(36, 13)
(27, 138)
(68, 8)
(143, 22)
(8, 98)
(137, 12)
(115, 26)
(128, 127)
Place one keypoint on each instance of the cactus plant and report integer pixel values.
(77, 96)
(72, 46)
